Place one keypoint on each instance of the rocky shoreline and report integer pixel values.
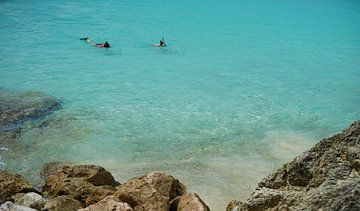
(326, 177)
(92, 188)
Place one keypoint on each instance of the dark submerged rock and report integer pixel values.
(15, 108)
(325, 177)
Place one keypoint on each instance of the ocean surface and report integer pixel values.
(241, 88)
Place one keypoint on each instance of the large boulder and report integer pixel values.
(188, 202)
(324, 178)
(93, 174)
(85, 183)
(108, 204)
(11, 184)
(153, 191)
(62, 203)
(32, 200)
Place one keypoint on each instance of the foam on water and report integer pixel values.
(241, 88)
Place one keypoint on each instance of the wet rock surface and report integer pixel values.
(325, 177)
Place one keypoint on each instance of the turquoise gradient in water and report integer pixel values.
(242, 87)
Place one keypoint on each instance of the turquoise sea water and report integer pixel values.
(242, 87)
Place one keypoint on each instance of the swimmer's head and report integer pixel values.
(106, 45)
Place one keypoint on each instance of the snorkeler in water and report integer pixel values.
(161, 43)
(102, 45)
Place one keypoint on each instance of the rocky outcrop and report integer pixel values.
(189, 201)
(86, 183)
(325, 177)
(153, 191)
(108, 204)
(11, 184)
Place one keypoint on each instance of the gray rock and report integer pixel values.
(9, 206)
(31, 199)
(324, 178)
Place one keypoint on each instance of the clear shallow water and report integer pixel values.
(241, 88)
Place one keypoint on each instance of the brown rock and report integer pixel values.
(96, 175)
(85, 183)
(11, 184)
(188, 202)
(62, 203)
(153, 191)
(108, 204)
